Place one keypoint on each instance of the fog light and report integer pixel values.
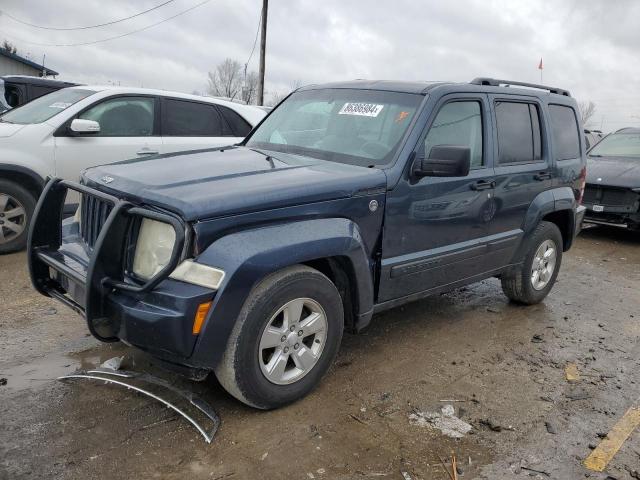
(201, 314)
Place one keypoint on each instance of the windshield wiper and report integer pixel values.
(595, 156)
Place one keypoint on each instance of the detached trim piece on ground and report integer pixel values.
(104, 375)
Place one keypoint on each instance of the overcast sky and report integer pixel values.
(589, 47)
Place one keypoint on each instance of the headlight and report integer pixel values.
(198, 274)
(154, 248)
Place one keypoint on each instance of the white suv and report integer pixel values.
(67, 131)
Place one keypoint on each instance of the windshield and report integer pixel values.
(618, 145)
(359, 127)
(43, 108)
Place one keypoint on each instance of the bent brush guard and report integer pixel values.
(105, 374)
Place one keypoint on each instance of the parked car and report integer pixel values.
(592, 137)
(612, 194)
(67, 131)
(16, 90)
(250, 261)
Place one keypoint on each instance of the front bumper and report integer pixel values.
(156, 316)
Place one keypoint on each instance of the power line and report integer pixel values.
(255, 41)
(15, 19)
(115, 37)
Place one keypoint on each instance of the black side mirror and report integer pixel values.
(443, 161)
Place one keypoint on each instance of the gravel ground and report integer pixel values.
(500, 366)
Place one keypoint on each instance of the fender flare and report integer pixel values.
(560, 199)
(249, 256)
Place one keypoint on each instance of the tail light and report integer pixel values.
(583, 182)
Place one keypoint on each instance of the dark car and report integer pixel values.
(348, 199)
(612, 194)
(16, 90)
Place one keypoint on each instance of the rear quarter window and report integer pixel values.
(566, 136)
(238, 125)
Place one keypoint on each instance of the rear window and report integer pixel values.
(239, 126)
(519, 137)
(566, 136)
(190, 119)
(43, 108)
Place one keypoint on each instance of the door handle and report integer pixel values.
(540, 176)
(146, 151)
(483, 185)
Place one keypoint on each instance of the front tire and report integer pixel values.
(284, 340)
(16, 209)
(533, 280)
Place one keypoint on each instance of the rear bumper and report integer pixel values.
(156, 316)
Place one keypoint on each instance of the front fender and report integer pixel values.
(249, 256)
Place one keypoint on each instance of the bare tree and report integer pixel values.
(226, 80)
(587, 111)
(277, 97)
(250, 88)
(9, 47)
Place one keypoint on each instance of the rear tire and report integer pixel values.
(533, 280)
(284, 340)
(16, 209)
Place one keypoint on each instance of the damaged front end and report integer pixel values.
(87, 263)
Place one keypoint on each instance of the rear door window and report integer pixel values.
(519, 134)
(182, 118)
(566, 135)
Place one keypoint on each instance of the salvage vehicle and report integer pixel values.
(348, 199)
(64, 132)
(16, 90)
(612, 193)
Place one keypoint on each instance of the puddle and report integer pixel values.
(45, 369)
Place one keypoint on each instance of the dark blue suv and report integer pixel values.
(348, 199)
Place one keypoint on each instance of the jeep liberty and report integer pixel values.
(349, 198)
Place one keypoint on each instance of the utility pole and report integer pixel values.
(263, 46)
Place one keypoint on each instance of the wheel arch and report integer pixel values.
(333, 246)
(23, 176)
(556, 206)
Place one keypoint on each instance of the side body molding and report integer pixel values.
(249, 256)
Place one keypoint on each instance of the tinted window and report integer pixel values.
(458, 123)
(190, 119)
(36, 91)
(123, 116)
(519, 138)
(239, 126)
(566, 137)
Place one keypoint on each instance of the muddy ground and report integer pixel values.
(504, 365)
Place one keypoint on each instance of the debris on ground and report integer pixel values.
(551, 428)
(537, 338)
(3, 381)
(113, 363)
(445, 421)
(493, 426)
(571, 372)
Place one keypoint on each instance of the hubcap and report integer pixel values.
(13, 218)
(544, 264)
(293, 340)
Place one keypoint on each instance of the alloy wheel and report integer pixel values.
(544, 264)
(292, 341)
(13, 218)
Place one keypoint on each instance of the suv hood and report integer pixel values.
(621, 172)
(220, 182)
(8, 129)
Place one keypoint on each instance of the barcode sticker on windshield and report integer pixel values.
(362, 109)
(61, 105)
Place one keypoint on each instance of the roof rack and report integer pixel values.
(493, 82)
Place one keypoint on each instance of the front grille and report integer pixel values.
(609, 196)
(93, 215)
